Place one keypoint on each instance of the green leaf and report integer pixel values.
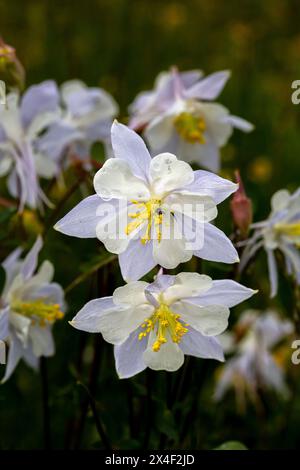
(232, 445)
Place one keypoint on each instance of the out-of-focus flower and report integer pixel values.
(11, 69)
(21, 122)
(253, 366)
(86, 118)
(151, 211)
(155, 325)
(178, 117)
(241, 208)
(29, 304)
(281, 231)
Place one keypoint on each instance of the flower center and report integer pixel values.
(291, 230)
(190, 128)
(38, 311)
(147, 211)
(163, 321)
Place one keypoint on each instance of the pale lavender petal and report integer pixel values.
(217, 247)
(137, 260)
(14, 355)
(130, 147)
(223, 292)
(273, 273)
(57, 138)
(209, 87)
(4, 323)
(193, 343)
(87, 318)
(129, 356)
(212, 185)
(30, 262)
(39, 99)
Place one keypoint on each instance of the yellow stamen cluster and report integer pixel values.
(291, 230)
(190, 128)
(148, 211)
(163, 321)
(38, 311)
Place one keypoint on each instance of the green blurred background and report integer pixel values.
(122, 45)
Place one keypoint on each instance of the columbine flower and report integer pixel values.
(281, 231)
(177, 117)
(254, 365)
(21, 121)
(87, 118)
(151, 211)
(29, 305)
(155, 325)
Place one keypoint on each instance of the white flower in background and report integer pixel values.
(155, 325)
(281, 231)
(21, 122)
(178, 117)
(29, 305)
(254, 365)
(87, 115)
(149, 210)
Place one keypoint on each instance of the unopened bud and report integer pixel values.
(11, 69)
(241, 208)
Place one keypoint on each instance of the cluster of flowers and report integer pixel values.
(149, 207)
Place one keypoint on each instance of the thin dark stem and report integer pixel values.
(97, 420)
(45, 404)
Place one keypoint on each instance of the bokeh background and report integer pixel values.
(121, 45)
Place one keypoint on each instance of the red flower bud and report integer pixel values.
(11, 69)
(241, 208)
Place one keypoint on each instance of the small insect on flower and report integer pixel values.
(281, 231)
(255, 365)
(87, 115)
(151, 211)
(155, 325)
(177, 116)
(29, 305)
(21, 122)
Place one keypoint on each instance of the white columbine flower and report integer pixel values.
(29, 305)
(253, 365)
(178, 117)
(21, 122)
(155, 325)
(281, 231)
(87, 115)
(151, 211)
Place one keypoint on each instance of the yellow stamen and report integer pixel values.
(150, 212)
(38, 311)
(190, 128)
(164, 321)
(291, 230)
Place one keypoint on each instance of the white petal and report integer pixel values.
(196, 206)
(187, 285)
(159, 131)
(170, 357)
(4, 323)
(217, 247)
(210, 320)
(116, 180)
(167, 173)
(171, 249)
(5, 164)
(240, 123)
(130, 147)
(14, 356)
(45, 167)
(280, 200)
(42, 341)
(131, 294)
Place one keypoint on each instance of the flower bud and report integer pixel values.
(241, 208)
(11, 69)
